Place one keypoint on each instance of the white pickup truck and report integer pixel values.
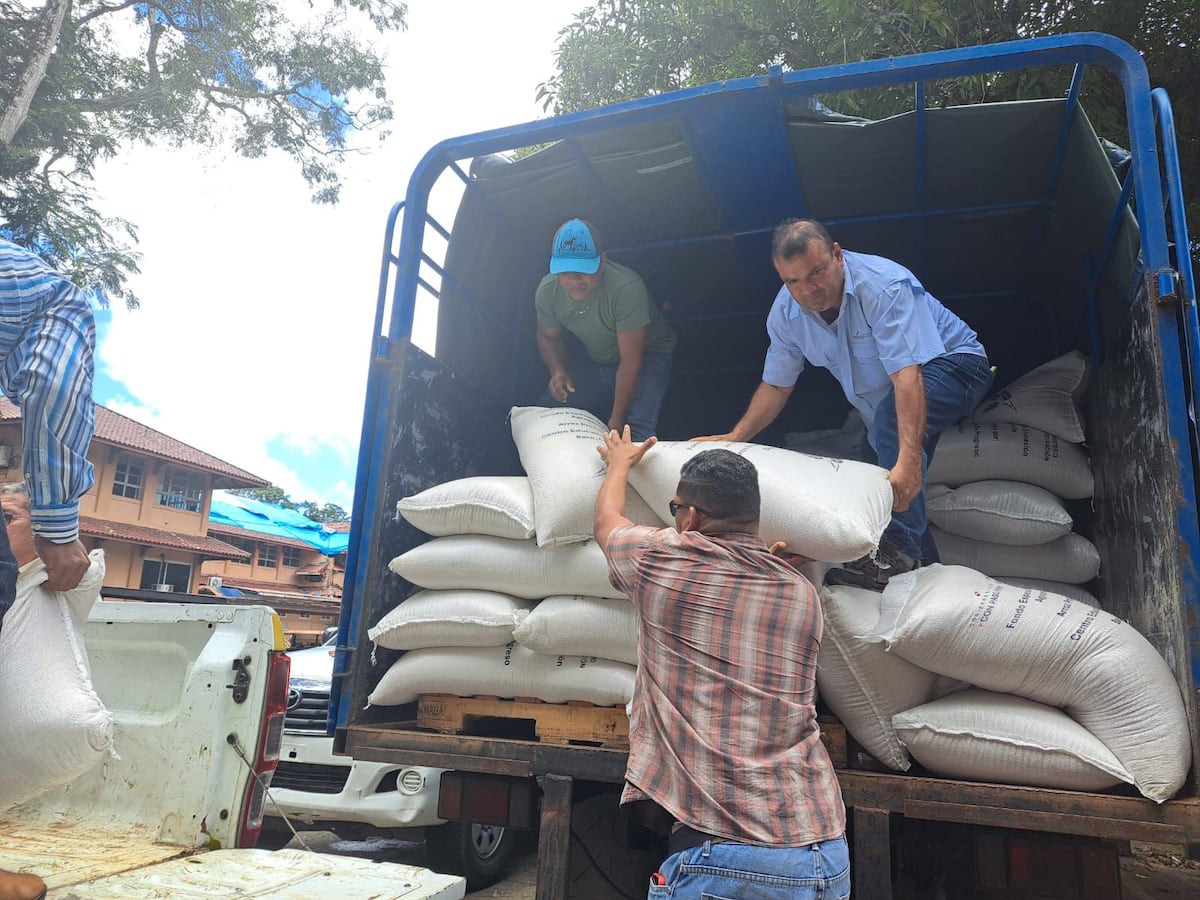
(198, 692)
(314, 788)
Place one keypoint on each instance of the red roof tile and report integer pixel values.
(114, 428)
(156, 537)
(248, 535)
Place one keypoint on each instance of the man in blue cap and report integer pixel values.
(628, 342)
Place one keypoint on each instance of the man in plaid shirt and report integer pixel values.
(723, 730)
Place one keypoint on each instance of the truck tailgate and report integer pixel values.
(279, 874)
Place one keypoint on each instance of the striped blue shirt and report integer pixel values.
(47, 339)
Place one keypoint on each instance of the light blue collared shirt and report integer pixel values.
(887, 322)
(47, 340)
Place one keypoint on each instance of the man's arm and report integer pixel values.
(905, 476)
(621, 454)
(49, 376)
(632, 345)
(765, 406)
(554, 355)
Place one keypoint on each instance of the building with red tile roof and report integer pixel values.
(149, 511)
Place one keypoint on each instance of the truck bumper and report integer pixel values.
(312, 785)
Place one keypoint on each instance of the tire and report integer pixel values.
(275, 835)
(607, 861)
(480, 853)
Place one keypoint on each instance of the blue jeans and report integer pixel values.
(729, 871)
(594, 386)
(954, 386)
(8, 574)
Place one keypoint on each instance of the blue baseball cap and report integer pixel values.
(574, 250)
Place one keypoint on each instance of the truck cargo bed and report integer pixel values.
(1012, 214)
(271, 875)
(65, 852)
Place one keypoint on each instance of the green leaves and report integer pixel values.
(176, 71)
(276, 496)
(623, 49)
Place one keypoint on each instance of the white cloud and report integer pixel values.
(257, 306)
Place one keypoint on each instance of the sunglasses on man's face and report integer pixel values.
(676, 507)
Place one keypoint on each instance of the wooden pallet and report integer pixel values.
(551, 723)
(561, 723)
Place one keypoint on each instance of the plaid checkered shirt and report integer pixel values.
(723, 731)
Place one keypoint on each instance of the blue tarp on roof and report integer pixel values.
(254, 515)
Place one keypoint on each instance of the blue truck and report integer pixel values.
(1016, 215)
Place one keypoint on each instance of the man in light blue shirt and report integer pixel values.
(908, 364)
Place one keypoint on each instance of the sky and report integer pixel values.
(253, 336)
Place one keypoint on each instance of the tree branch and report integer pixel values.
(42, 40)
(152, 55)
(105, 10)
(120, 101)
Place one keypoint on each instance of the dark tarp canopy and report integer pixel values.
(999, 209)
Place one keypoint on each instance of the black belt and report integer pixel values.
(684, 837)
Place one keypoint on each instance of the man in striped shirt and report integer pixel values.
(723, 730)
(47, 339)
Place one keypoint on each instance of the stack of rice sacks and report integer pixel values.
(481, 574)
(515, 599)
(986, 681)
(996, 666)
(981, 680)
(997, 484)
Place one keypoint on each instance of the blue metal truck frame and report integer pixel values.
(1153, 178)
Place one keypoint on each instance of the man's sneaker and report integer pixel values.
(872, 574)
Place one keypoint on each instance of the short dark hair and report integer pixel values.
(792, 237)
(723, 484)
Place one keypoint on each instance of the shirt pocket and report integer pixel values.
(862, 347)
(865, 363)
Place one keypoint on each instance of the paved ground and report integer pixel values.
(1149, 874)
(521, 883)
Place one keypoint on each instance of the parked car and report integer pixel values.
(315, 789)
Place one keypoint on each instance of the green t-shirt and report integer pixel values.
(619, 303)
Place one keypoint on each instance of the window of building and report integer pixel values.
(243, 544)
(305, 615)
(179, 489)
(268, 556)
(127, 481)
(291, 556)
(161, 575)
